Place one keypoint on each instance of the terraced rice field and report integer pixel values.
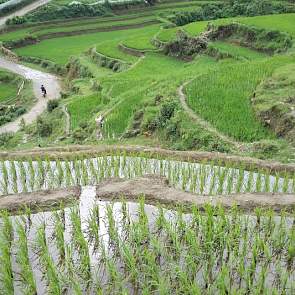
(59, 50)
(124, 248)
(233, 85)
(103, 242)
(8, 89)
(131, 246)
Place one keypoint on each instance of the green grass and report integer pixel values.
(59, 50)
(193, 29)
(81, 109)
(144, 82)
(141, 42)
(8, 86)
(74, 25)
(281, 22)
(110, 48)
(237, 51)
(223, 97)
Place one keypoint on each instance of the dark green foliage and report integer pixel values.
(51, 105)
(185, 46)
(159, 120)
(256, 38)
(230, 9)
(27, 40)
(14, 6)
(4, 138)
(10, 113)
(81, 133)
(184, 135)
(47, 64)
(44, 128)
(51, 12)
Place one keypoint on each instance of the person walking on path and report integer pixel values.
(44, 92)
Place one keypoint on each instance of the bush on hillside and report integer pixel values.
(185, 46)
(44, 128)
(232, 8)
(257, 38)
(52, 12)
(9, 6)
(5, 137)
(51, 105)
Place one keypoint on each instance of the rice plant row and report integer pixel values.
(200, 178)
(127, 248)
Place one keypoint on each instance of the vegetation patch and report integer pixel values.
(82, 108)
(258, 39)
(105, 61)
(184, 46)
(223, 98)
(46, 64)
(274, 102)
(12, 5)
(15, 96)
(234, 8)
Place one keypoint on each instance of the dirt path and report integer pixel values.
(23, 11)
(203, 123)
(50, 82)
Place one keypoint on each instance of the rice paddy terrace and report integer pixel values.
(162, 158)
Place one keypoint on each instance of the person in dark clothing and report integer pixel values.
(44, 92)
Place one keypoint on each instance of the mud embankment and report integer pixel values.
(40, 200)
(70, 152)
(157, 190)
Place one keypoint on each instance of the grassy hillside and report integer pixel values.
(222, 84)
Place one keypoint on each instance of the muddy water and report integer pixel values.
(86, 204)
(192, 177)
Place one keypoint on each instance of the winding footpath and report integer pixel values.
(38, 78)
(22, 11)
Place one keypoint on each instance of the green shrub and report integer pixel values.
(51, 105)
(44, 128)
(5, 137)
(231, 8)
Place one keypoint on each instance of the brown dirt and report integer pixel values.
(72, 151)
(40, 199)
(156, 189)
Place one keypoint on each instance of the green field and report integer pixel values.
(160, 74)
(223, 97)
(236, 51)
(187, 185)
(223, 82)
(8, 87)
(60, 49)
(82, 108)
